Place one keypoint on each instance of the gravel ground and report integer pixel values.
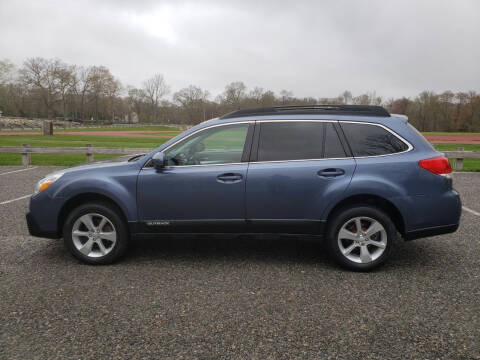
(236, 297)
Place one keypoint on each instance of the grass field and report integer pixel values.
(60, 140)
(468, 164)
(133, 128)
(451, 147)
(433, 133)
(76, 141)
(81, 140)
(50, 159)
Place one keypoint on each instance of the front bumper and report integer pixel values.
(35, 230)
(42, 217)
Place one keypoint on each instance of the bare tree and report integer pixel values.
(256, 94)
(347, 97)
(66, 80)
(103, 87)
(6, 71)
(268, 98)
(193, 100)
(49, 87)
(399, 106)
(82, 86)
(136, 101)
(370, 98)
(41, 77)
(154, 90)
(286, 96)
(112, 93)
(234, 94)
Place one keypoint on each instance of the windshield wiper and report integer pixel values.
(135, 157)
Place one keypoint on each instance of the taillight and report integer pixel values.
(437, 165)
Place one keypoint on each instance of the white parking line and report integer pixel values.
(20, 198)
(15, 171)
(471, 211)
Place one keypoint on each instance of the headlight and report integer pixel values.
(47, 181)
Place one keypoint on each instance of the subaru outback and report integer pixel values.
(356, 176)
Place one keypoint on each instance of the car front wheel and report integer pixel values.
(95, 233)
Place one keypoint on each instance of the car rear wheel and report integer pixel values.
(361, 237)
(95, 233)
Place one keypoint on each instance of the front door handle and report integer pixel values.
(331, 172)
(229, 177)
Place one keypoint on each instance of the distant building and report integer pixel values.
(131, 118)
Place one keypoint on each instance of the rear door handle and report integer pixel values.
(229, 177)
(331, 172)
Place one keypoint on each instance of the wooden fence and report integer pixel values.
(89, 151)
(458, 156)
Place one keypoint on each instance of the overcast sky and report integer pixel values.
(313, 48)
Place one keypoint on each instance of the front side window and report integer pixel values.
(372, 140)
(296, 140)
(216, 145)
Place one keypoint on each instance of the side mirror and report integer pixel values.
(158, 160)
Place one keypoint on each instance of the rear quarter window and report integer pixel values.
(372, 140)
(419, 134)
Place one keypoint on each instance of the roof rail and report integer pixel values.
(357, 110)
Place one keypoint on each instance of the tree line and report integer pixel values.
(51, 88)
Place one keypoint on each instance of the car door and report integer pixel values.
(297, 168)
(202, 187)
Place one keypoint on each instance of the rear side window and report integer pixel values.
(290, 141)
(333, 146)
(372, 140)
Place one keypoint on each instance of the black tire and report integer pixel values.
(341, 217)
(112, 214)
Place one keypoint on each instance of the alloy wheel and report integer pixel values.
(362, 240)
(94, 235)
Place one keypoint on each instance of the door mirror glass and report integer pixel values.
(158, 160)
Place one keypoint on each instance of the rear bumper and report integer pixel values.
(35, 230)
(449, 210)
(429, 215)
(432, 231)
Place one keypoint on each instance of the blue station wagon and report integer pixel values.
(356, 176)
